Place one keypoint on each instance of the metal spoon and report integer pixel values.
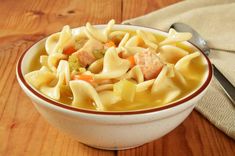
(201, 44)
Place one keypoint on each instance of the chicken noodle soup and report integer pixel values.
(116, 70)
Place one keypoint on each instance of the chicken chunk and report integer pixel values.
(85, 54)
(150, 64)
(85, 58)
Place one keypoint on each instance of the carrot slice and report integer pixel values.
(131, 59)
(87, 78)
(69, 50)
(110, 44)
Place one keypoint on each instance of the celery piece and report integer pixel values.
(74, 63)
(80, 43)
(82, 70)
(98, 54)
(125, 89)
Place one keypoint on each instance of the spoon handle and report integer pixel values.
(227, 86)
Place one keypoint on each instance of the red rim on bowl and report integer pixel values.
(173, 104)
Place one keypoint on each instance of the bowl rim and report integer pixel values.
(133, 112)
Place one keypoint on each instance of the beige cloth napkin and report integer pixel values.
(215, 21)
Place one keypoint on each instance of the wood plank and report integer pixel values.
(45, 17)
(22, 130)
(195, 136)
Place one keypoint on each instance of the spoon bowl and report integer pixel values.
(196, 39)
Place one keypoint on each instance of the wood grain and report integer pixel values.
(24, 132)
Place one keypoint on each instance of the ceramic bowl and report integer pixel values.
(112, 130)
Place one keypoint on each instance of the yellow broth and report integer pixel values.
(142, 100)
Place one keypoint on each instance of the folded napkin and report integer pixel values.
(215, 21)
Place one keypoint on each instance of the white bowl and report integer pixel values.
(111, 130)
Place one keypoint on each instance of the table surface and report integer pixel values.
(24, 132)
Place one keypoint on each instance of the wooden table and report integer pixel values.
(23, 132)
